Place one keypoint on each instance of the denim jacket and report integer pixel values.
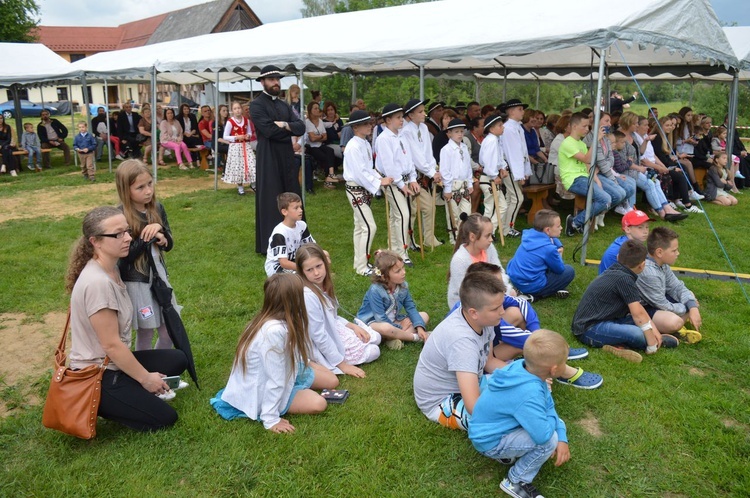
(377, 302)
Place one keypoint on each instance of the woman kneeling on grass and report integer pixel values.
(101, 316)
(271, 374)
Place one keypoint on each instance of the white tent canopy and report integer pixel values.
(739, 39)
(29, 62)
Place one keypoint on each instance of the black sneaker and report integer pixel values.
(513, 233)
(414, 247)
(519, 489)
(570, 228)
(562, 294)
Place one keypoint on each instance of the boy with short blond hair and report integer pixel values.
(666, 298)
(30, 142)
(84, 144)
(515, 419)
(287, 236)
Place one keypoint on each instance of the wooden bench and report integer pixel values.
(204, 151)
(23, 152)
(700, 176)
(537, 194)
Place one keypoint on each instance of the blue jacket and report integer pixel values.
(514, 398)
(376, 304)
(610, 255)
(86, 141)
(536, 254)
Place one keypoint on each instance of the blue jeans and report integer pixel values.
(613, 188)
(601, 199)
(654, 194)
(620, 332)
(556, 282)
(531, 456)
(629, 186)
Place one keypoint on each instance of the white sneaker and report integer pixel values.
(2, 169)
(182, 385)
(600, 220)
(694, 209)
(13, 173)
(679, 204)
(621, 210)
(167, 396)
(694, 196)
(673, 205)
(119, 157)
(183, 167)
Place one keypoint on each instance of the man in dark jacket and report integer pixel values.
(52, 134)
(127, 128)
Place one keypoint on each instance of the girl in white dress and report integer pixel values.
(240, 168)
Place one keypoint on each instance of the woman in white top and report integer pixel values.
(316, 137)
(101, 316)
(171, 138)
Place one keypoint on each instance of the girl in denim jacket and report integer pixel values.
(386, 298)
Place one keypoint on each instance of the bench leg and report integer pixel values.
(536, 205)
(204, 159)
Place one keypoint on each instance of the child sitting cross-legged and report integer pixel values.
(515, 421)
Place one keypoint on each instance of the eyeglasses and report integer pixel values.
(117, 235)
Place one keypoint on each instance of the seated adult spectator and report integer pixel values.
(9, 164)
(206, 126)
(617, 103)
(171, 138)
(316, 137)
(473, 111)
(105, 136)
(190, 133)
(333, 125)
(127, 129)
(52, 134)
(536, 154)
(144, 128)
(738, 149)
(434, 119)
(292, 98)
(441, 139)
(547, 133)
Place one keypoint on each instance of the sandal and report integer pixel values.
(162, 163)
(582, 380)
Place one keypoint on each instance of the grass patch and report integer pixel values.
(661, 430)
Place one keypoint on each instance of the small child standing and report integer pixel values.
(537, 269)
(337, 344)
(515, 418)
(494, 169)
(635, 226)
(30, 142)
(384, 300)
(151, 234)
(455, 166)
(84, 144)
(287, 236)
(271, 373)
(240, 167)
(717, 182)
(393, 159)
(362, 182)
(519, 165)
(669, 303)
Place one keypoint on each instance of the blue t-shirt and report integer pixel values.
(610, 255)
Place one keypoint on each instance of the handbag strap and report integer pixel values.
(60, 356)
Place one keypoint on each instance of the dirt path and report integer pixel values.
(64, 201)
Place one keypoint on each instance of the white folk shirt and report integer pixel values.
(491, 156)
(393, 158)
(516, 153)
(455, 164)
(419, 141)
(358, 165)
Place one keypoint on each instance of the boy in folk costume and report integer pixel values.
(419, 142)
(455, 165)
(494, 170)
(362, 182)
(394, 160)
(519, 167)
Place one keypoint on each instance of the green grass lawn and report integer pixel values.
(675, 425)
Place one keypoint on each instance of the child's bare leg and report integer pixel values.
(408, 327)
(390, 332)
(667, 322)
(307, 402)
(514, 317)
(506, 352)
(324, 378)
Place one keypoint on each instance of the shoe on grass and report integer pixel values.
(526, 297)
(669, 341)
(394, 344)
(182, 385)
(408, 262)
(624, 353)
(570, 228)
(167, 396)
(577, 353)
(582, 380)
(562, 294)
(519, 489)
(688, 336)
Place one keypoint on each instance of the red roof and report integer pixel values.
(79, 39)
(137, 33)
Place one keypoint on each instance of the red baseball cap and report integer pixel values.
(634, 218)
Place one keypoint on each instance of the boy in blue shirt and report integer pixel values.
(84, 144)
(537, 269)
(635, 226)
(514, 419)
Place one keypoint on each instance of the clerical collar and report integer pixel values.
(272, 96)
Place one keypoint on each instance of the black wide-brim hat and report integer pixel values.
(513, 103)
(358, 117)
(492, 120)
(434, 106)
(456, 123)
(269, 72)
(460, 105)
(391, 109)
(413, 104)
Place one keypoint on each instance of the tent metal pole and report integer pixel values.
(732, 115)
(109, 142)
(606, 94)
(590, 193)
(505, 84)
(216, 134)
(476, 88)
(538, 88)
(84, 88)
(73, 120)
(154, 145)
(421, 82)
(302, 117)
(354, 88)
(692, 88)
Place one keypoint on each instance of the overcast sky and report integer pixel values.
(115, 12)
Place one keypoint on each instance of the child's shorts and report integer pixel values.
(453, 414)
(510, 335)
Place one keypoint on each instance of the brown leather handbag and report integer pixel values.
(74, 395)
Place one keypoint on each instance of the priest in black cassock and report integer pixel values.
(277, 172)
